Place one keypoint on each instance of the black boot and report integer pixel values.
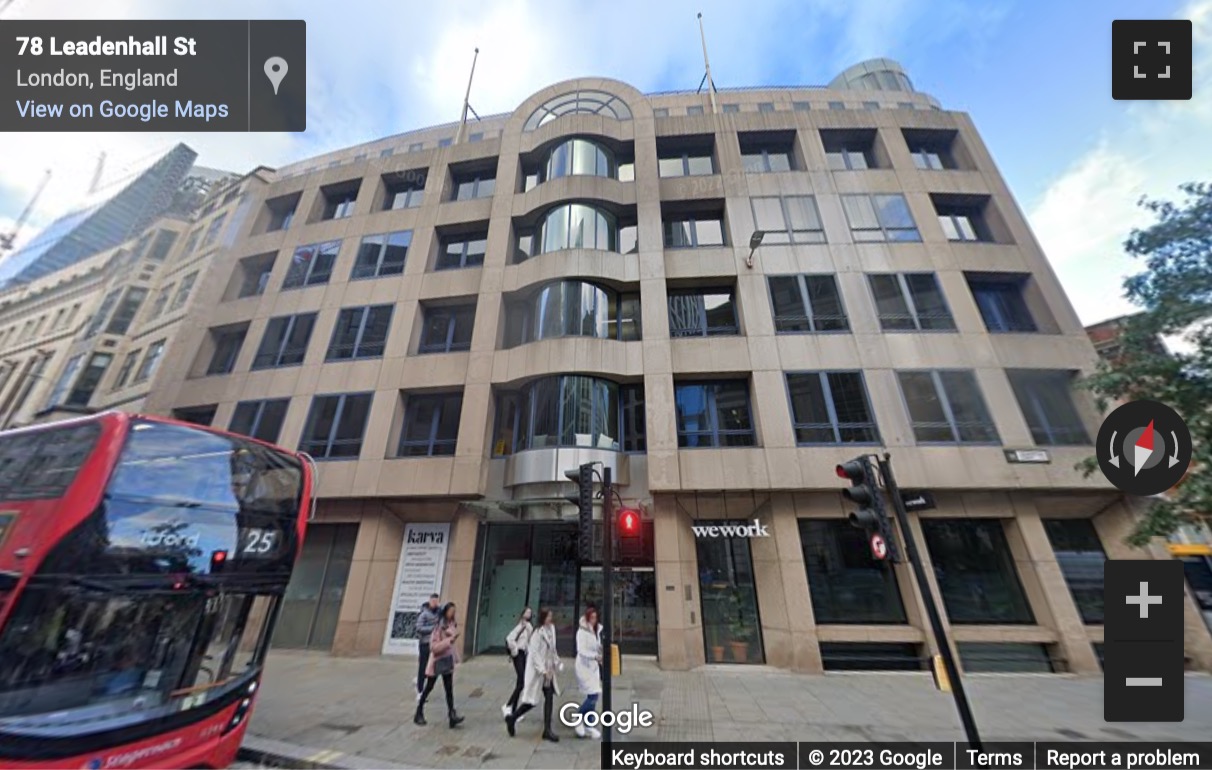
(419, 717)
(511, 725)
(548, 735)
(455, 719)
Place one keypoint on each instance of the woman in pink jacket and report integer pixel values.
(443, 656)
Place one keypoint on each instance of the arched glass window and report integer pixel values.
(579, 157)
(573, 309)
(578, 226)
(587, 102)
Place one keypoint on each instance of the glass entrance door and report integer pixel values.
(732, 628)
(634, 609)
(313, 598)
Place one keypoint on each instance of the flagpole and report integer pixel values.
(467, 99)
(707, 64)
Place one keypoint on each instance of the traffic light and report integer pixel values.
(864, 491)
(583, 500)
(631, 532)
(218, 560)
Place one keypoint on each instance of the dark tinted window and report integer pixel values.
(1079, 553)
(847, 584)
(42, 464)
(975, 571)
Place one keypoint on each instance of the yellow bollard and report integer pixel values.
(940, 675)
(616, 660)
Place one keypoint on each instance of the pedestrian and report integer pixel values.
(444, 656)
(543, 663)
(427, 618)
(517, 641)
(589, 668)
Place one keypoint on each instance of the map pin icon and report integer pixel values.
(275, 70)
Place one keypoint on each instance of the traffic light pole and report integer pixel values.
(936, 621)
(607, 594)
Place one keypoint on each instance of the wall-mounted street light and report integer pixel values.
(755, 240)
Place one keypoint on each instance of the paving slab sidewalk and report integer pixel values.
(357, 712)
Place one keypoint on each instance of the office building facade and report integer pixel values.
(449, 319)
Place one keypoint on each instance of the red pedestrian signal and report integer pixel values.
(217, 560)
(629, 523)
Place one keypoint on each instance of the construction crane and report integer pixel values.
(6, 240)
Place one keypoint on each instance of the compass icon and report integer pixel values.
(1144, 448)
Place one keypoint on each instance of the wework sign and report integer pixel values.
(730, 529)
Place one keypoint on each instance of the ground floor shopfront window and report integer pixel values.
(848, 584)
(536, 565)
(975, 571)
(732, 628)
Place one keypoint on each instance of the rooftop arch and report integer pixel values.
(586, 101)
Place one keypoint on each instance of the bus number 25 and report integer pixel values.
(258, 542)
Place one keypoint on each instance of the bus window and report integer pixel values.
(41, 464)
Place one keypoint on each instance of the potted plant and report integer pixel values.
(742, 633)
(717, 649)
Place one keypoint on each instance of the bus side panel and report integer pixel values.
(198, 745)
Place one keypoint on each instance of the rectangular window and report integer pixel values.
(228, 343)
(127, 311)
(191, 241)
(457, 252)
(765, 153)
(335, 426)
(849, 150)
(765, 107)
(1046, 398)
(187, 285)
(702, 313)
(431, 425)
(404, 189)
(151, 361)
(847, 584)
(789, 219)
(830, 408)
(694, 231)
(260, 419)
(685, 156)
(361, 332)
(965, 217)
(285, 341)
(731, 108)
(212, 230)
(714, 414)
(70, 370)
(160, 302)
(931, 149)
(90, 378)
(311, 265)
(910, 302)
(255, 272)
(946, 407)
(445, 142)
(879, 218)
(416, 146)
(807, 303)
(660, 112)
(801, 106)
(162, 245)
(975, 571)
(1000, 299)
(694, 109)
(282, 211)
(197, 415)
(447, 329)
(473, 184)
(128, 367)
(1082, 561)
(635, 420)
(871, 105)
(380, 255)
(339, 199)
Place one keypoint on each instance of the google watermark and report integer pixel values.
(623, 721)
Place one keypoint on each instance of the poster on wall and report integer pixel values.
(422, 560)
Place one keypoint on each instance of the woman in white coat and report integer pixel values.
(542, 665)
(589, 668)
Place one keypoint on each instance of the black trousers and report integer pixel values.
(519, 669)
(422, 662)
(548, 698)
(447, 685)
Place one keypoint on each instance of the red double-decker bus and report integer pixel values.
(142, 565)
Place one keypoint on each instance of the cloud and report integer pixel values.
(1086, 213)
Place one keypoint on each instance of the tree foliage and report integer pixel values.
(1175, 292)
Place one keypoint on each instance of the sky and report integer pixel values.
(1033, 74)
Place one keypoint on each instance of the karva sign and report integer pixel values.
(756, 529)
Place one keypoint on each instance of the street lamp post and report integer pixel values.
(755, 240)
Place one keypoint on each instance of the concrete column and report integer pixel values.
(673, 603)
(1052, 592)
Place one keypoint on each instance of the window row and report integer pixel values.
(78, 380)
(827, 408)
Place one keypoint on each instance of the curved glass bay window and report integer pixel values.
(576, 226)
(579, 157)
(571, 411)
(573, 309)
